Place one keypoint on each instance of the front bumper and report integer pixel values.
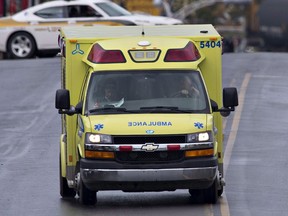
(4, 35)
(145, 178)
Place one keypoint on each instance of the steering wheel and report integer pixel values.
(182, 93)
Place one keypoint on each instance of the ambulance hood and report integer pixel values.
(143, 124)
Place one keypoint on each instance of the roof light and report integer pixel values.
(144, 55)
(99, 55)
(188, 53)
(213, 38)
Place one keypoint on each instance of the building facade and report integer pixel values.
(10, 7)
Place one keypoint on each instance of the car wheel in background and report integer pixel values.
(21, 45)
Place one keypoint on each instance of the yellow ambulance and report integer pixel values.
(142, 110)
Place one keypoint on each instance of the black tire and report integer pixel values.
(21, 45)
(87, 197)
(65, 191)
(197, 196)
(211, 193)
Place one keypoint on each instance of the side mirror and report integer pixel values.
(230, 100)
(230, 97)
(62, 102)
(62, 99)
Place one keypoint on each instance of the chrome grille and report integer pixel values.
(149, 157)
(149, 139)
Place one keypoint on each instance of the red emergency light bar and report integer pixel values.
(188, 53)
(99, 55)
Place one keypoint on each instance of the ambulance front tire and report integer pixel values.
(209, 195)
(65, 191)
(21, 45)
(86, 196)
(197, 196)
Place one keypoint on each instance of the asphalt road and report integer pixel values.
(256, 158)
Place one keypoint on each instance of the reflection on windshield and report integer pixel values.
(112, 9)
(147, 91)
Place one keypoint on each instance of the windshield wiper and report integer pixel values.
(110, 108)
(164, 109)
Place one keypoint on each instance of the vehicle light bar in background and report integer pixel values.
(188, 53)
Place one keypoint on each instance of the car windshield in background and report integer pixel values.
(52, 12)
(112, 9)
(147, 92)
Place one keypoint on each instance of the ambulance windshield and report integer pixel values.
(147, 91)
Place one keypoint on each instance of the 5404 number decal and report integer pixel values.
(210, 44)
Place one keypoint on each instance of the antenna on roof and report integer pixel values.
(143, 33)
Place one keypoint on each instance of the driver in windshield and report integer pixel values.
(187, 88)
(108, 95)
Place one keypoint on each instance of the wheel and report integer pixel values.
(211, 193)
(65, 191)
(197, 195)
(87, 197)
(182, 93)
(21, 46)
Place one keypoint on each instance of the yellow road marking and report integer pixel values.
(235, 122)
(208, 210)
(224, 206)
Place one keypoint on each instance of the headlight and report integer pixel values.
(200, 137)
(98, 138)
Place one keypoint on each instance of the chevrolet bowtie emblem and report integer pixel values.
(150, 147)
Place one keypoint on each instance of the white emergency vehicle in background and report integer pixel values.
(34, 31)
